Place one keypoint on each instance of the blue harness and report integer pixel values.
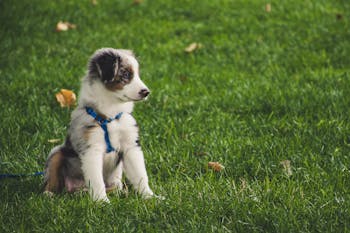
(103, 123)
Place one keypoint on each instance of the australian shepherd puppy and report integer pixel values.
(102, 139)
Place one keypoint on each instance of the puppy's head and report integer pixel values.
(118, 72)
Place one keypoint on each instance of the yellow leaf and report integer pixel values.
(64, 26)
(268, 7)
(216, 166)
(54, 140)
(287, 168)
(66, 98)
(192, 47)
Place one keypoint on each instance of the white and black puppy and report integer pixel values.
(102, 139)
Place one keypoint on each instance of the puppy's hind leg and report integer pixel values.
(54, 182)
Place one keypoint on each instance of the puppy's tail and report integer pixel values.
(53, 179)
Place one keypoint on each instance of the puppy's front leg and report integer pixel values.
(135, 171)
(92, 166)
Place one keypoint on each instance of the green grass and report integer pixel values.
(264, 88)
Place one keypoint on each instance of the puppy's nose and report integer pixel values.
(144, 93)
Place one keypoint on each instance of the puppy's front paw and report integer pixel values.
(102, 200)
(99, 197)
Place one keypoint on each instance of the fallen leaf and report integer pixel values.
(192, 47)
(66, 98)
(339, 16)
(136, 2)
(216, 166)
(201, 153)
(183, 78)
(54, 140)
(244, 184)
(94, 2)
(287, 168)
(268, 7)
(64, 26)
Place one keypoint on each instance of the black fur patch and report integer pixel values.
(104, 66)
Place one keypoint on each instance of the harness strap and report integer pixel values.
(103, 123)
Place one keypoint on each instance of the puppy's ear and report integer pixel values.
(128, 52)
(105, 66)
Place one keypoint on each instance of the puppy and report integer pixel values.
(102, 139)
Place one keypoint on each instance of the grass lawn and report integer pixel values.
(266, 88)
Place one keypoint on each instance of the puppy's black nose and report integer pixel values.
(144, 93)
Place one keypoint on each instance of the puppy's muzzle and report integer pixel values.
(144, 93)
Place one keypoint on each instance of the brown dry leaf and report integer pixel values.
(183, 78)
(201, 153)
(136, 2)
(216, 166)
(66, 98)
(268, 7)
(54, 140)
(64, 26)
(287, 167)
(192, 47)
(339, 16)
(244, 184)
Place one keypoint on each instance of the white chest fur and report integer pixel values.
(123, 134)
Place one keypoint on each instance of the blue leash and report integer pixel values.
(103, 123)
(3, 176)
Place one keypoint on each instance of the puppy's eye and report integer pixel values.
(125, 74)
